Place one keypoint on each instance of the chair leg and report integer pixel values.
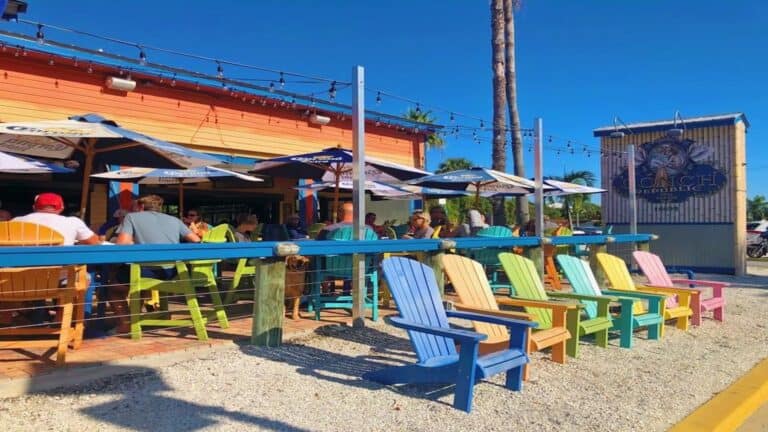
(66, 328)
(375, 294)
(134, 306)
(696, 307)
(295, 315)
(78, 316)
(601, 338)
(682, 323)
(572, 324)
(626, 327)
(515, 378)
(558, 352)
(218, 306)
(465, 384)
(719, 313)
(656, 331)
(197, 317)
(528, 351)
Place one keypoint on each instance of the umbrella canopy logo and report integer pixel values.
(671, 171)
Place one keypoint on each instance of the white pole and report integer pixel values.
(358, 194)
(538, 164)
(632, 189)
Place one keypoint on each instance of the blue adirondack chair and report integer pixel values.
(340, 267)
(414, 288)
(489, 257)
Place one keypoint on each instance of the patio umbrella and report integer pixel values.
(566, 188)
(385, 190)
(480, 182)
(22, 165)
(334, 165)
(100, 141)
(159, 176)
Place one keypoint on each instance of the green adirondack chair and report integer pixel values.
(527, 285)
(203, 272)
(489, 257)
(582, 281)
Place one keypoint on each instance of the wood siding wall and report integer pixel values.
(212, 121)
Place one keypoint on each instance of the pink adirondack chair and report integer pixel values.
(656, 273)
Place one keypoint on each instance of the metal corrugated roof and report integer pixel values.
(690, 122)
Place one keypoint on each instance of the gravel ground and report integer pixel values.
(314, 383)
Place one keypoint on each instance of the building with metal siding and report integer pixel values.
(691, 189)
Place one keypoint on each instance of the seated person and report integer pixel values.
(47, 211)
(295, 230)
(346, 214)
(148, 225)
(108, 230)
(420, 228)
(370, 221)
(5, 215)
(246, 225)
(194, 220)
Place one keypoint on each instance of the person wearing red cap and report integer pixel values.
(47, 212)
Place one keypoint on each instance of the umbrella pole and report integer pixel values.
(87, 169)
(335, 209)
(181, 200)
(477, 195)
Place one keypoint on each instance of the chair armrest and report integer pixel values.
(685, 296)
(463, 336)
(500, 313)
(707, 283)
(491, 319)
(583, 297)
(557, 307)
(635, 294)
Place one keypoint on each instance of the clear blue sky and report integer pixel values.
(579, 63)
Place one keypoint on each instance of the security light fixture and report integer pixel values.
(677, 132)
(319, 119)
(120, 84)
(618, 134)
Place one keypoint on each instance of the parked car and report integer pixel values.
(754, 229)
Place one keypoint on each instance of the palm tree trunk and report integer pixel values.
(499, 151)
(521, 207)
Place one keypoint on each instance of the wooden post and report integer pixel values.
(269, 297)
(594, 249)
(536, 254)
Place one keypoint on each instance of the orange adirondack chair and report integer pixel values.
(654, 270)
(18, 233)
(471, 284)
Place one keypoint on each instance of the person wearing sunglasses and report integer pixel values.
(420, 228)
(195, 222)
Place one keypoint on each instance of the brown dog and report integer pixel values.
(296, 267)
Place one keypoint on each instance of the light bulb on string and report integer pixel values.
(378, 122)
(40, 35)
(312, 101)
(90, 68)
(282, 80)
(161, 79)
(75, 63)
(219, 70)
(482, 125)
(224, 87)
(142, 57)
(50, 61)
(453, 118)
(17, 53)
(378, 98)
(550, 139)
(253, 101)
(332, 91)
(23, 52)
(293, 102)
(271, 86)
(173, 81)
(418, 108)
(2, 46)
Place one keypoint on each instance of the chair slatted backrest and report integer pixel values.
(341, 265)
(618, 276)
(490, 256)
(583, 282)
(34, 283)
(525, 281)
(654, 270)
(471, 285)
(18, 233)
(315, 229)
(436, 232)
(219, 234)
(414, 288)
(401, 230)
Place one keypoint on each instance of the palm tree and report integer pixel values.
(434, 141)
(499, 149)
(521, 209)
(757, 208)
(453, 164)
(574, 204)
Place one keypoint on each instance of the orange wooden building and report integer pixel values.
(40, 82)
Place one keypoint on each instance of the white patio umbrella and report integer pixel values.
(100, 141)
(160, 176)
(21, 165)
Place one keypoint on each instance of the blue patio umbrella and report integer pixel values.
(334, 165)
(159, 176)
(480, 182)
(101, 141)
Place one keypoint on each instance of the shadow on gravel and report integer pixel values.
(141, 407)
(384, 350)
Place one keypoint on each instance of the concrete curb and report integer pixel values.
(730, 408)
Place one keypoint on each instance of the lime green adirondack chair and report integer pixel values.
(203, 272)
(582, 281)
(526, 284)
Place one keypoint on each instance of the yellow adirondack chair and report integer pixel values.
(619, 278)
(475, 294)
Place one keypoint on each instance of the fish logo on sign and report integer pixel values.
(669, 170)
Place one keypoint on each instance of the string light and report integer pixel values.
(282, 80)
(90, 68)
(40, 35)
(74, 62)
(50, 61)
(2, 46)
(272, 87)
(378, 98)
(418, 108)
(197, 86)
(142, 57)
(219, 70)
(224, 87)
(332, 91)
(453, 118)
(173, 81)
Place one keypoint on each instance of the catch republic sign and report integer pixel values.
(670, 170)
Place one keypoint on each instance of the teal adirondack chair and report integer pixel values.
(340, 267)
(489, 257)
(527, 285)
(582, 281)
(414, 287)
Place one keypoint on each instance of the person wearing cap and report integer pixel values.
(47, 212)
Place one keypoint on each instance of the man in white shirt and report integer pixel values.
(47, 212)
